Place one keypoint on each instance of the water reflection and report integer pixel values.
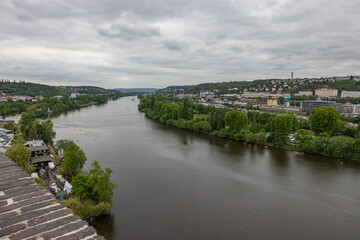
(176, 184)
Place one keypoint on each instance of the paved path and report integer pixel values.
(29, 211)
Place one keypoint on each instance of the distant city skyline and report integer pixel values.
(135, 44)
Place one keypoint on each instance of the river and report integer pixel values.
(176, 184)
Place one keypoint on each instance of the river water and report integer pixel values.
(176, 184)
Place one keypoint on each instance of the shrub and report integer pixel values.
(241, 136)
(260, 138)
(39, 181)
(250, 137)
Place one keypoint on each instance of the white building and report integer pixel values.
(353, 94)
(305, 93)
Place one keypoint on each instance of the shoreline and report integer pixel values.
(269, 145)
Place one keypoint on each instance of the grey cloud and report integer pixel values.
(128, 32)
(156, 43)
(175, 45)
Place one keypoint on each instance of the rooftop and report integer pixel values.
(29, 210)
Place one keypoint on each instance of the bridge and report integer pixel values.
(29, 211)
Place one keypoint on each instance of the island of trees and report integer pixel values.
(323, 134)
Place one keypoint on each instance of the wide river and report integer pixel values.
(176, 184)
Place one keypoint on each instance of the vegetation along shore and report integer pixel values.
(323, 133)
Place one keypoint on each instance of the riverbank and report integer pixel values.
(278, 131)
(53, 105)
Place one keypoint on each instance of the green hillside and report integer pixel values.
(12, 88)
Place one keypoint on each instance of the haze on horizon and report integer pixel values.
(157, 43)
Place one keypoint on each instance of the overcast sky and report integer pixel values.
(156, 43)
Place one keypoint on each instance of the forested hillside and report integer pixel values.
(13, 88)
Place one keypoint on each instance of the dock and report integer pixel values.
(29, 211)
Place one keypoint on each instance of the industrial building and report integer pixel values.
(309, 105)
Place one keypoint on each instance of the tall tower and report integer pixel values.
(292, 75)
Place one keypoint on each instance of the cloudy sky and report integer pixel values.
(156, 43)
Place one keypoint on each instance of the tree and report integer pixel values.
(260, 138)
(10, 126)
(27, 124)
(236, 121)
(102, 186)
(202, 126)
(74, 160)
(283, 126)
(47, 131)
(20, 154)
(325, 119)
(19, 138)
(81, 186)
(63, 144)
(281, 100)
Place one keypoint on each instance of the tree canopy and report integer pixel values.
(325, 120)
(74, 160)
(236, 121)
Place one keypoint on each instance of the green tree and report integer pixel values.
(281, 100)
(81, 185)
(236, 121)
(47, 131)
(74, 160)
(202, 126)
(260, 138)
(27, 124)
(325, 119)
(283, 126)
(20, 154)
(10, 126)
(19, 138)
(102, 186)
(63, 144)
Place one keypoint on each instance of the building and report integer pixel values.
(326, 92)
(40, 153)
(203, 93)
(182, 95)
(353, 94)
(305, 93)
(271, 102)
(309, 105)
(356, 110)
(347, 109)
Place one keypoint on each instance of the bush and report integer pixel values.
(39, 181)
(241, 136)
(86, 208)
(250, 138)
(202, 126)
(260, 138)
(223, 133)
(339, 147)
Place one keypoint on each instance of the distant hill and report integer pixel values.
(136, 90)
(13, 88)
(86, 89)
(221, 87)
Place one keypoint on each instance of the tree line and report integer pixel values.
(40, 107)
(323, 134)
